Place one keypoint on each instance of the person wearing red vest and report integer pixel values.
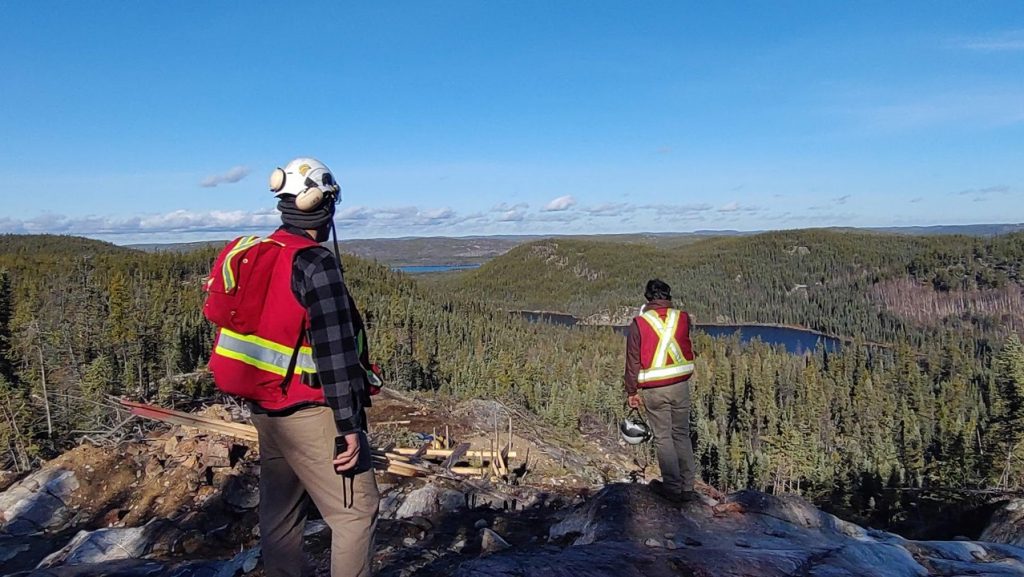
(301, 371)
(659, 362)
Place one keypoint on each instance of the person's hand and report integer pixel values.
(347, 460)
(634, 401)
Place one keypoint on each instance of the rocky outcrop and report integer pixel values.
(626, 531)
(38, 502)
(1007, 524)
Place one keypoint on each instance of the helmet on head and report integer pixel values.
(634, 430)
(308, 180)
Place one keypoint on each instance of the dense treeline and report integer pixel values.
(81, 321)
(823, 280)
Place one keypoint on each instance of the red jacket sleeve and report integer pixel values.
(632, 359)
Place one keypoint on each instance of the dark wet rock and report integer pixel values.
(242, 493)
(749, 534)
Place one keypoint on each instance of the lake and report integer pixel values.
(426, 268)
(795, 340)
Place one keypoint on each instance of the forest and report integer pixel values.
(941, 405)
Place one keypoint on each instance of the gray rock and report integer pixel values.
(244, 562)
(1007, 524)
(110, 544)
(617, 533)
(38, 502)
(491, 542)
(315, 528)
(429, 500)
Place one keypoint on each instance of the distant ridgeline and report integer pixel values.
(944, 407)
(871, 286)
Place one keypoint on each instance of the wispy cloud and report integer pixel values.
(842, 199)
(171, 222)
(1006, 41)
(985, 194)
(506, 207)
(916, 199)
(232, 175)
(975, 108)
(561, 203)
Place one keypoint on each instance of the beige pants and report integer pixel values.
(668, 411)
(295, 465)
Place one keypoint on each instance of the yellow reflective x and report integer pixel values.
(669, 361)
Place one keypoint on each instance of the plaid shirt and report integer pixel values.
(319, 285)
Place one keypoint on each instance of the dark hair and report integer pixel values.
(658, 290)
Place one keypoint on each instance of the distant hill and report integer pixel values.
(845, 283)
(37, 244)
(472, 250)
(965, 229)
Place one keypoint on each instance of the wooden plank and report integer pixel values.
(381, 461)
(456, 456)
(444, 453)
(238, 430)
(418, 454)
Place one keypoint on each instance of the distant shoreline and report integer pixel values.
(740, 325)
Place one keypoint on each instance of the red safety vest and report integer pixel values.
(254, 365)
(666, 354)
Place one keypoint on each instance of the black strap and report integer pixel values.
(295, 358)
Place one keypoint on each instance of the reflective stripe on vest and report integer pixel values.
(263, 354)
(244, 244)
(668, 349)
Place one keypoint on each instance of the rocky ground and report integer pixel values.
(182, 503)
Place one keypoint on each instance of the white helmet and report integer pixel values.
(634, 429)
(309, 180)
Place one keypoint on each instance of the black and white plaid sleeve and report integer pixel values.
(320, 286)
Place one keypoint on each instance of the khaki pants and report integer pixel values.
(295, 465)
(668, 411)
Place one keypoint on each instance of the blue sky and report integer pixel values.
(474, 117)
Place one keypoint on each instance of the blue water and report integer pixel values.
(420, 269)
(796, 341)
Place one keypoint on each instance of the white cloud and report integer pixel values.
(1009, 41)
(842, 199)
(513, 215)
(731, 207)
(352, 213)
(561, 203)
(232, 175)
(505, 207)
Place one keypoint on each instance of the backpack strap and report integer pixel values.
(295, 357)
